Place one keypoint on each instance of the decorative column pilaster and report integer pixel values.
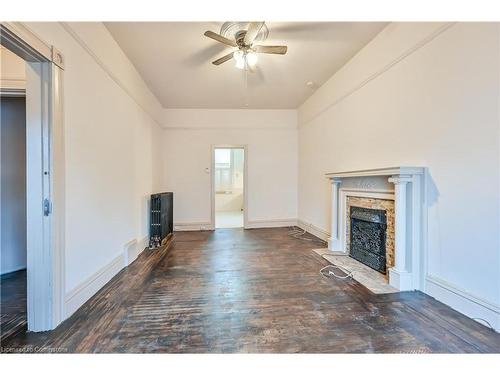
(399, 276)
(333, 241)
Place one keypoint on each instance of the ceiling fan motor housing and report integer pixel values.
(237, 31)
(240, 38)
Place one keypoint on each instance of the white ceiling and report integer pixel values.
(174, 58)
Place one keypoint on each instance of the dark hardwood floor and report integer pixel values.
(12, 304)
(253, 291)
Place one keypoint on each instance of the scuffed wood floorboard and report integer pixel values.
(254, 291)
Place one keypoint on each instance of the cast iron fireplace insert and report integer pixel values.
(368, 235)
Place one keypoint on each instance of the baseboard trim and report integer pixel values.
(15, 269)
(194, 226)
(314, 230)
(83, 292)
(273, 223)
(463, 301)
(251, 224)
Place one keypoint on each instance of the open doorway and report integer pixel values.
(229, 187)
(13, 255)
(32, 182)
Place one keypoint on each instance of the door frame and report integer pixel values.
(245, 182)
(45, 175)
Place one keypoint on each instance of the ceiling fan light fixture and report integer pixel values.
(240, 64)
(239, 57)
(251, 58)
(245, 59)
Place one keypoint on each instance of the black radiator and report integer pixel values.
(162, 218)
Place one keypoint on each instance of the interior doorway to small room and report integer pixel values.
(229, 187)
(32, 180)
(13, 255)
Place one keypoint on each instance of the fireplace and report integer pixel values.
(368, 229)
(399, 192)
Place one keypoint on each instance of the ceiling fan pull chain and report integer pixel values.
(246, 87)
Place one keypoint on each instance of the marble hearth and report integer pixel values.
(398, 191)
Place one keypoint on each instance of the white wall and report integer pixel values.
(425, 95)
(13, 168)
(111, 133)
(231, 200)
(271, 137)
(13, 184)
(13, 75)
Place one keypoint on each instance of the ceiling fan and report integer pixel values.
(245, 35)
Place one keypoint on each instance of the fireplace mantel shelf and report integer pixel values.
(390, 171)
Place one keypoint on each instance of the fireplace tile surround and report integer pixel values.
(398, 191)
(386, 205)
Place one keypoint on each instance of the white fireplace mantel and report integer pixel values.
(391, 171)
(409, 213)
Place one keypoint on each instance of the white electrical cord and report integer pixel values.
(298, 233)
(348, 273)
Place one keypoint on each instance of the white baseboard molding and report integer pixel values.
(180, 227)
(273, 223)
(251, 224)
(15, 269)
(82, 293)
(462, 301)
(315, 231)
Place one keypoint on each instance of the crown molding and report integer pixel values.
(303, 120)
(67, 27)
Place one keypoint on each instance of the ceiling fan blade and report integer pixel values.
(253, 30)
(220, 38)
(223, 59)
(278, 50)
